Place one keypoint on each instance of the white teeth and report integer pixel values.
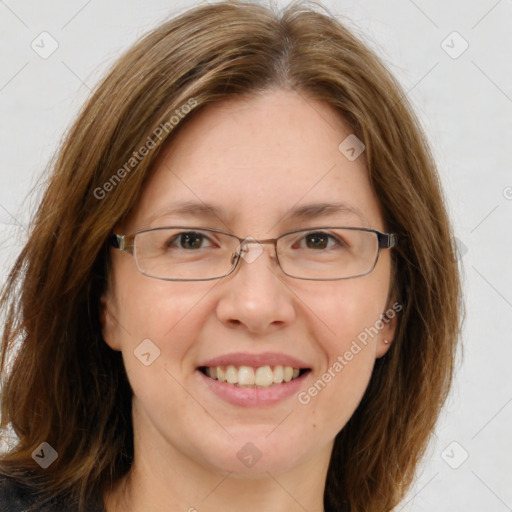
(231, 375)
(247, 376)
(278, 374)
(264, 376)
(287, 373)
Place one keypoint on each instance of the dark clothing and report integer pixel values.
(15, 497)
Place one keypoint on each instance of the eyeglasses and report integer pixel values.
(183, 253)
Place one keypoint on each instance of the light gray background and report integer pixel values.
(465, 104)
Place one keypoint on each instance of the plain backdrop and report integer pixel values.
(454, 60)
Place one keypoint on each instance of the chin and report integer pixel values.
(254, 456)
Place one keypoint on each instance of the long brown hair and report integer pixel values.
(66, 387)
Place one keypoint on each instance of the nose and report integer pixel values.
(254, 296)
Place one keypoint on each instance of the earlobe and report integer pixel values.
(108, 322)
(383, 345)
(387, 333)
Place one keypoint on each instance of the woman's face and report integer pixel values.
(257, 161)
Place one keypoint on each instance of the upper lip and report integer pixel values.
(255, 360)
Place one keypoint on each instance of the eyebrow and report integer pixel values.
(207, 211)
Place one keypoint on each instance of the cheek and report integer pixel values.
(159, 324)
(345, 315)
(334, 392)
(334, 396)
(347, 310)
(152, 308)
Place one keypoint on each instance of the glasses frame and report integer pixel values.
(126, 243)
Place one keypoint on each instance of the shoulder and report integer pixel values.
(16, 497)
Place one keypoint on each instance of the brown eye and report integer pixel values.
(319, 240)
(187, 240)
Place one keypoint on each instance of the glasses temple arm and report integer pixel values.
(387, 240)
(117, 241)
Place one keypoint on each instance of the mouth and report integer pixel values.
(260, 377)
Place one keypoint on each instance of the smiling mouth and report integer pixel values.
(250, 377)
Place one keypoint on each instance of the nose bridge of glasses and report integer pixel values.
(250, 249)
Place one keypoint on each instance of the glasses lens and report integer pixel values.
(182, 253)
(190, 253)
(328, 253)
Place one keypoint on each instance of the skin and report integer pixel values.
(257, 158)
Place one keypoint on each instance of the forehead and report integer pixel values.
(258, 160)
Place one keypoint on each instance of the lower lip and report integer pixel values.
(254, 397)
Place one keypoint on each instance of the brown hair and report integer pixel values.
(68, 388)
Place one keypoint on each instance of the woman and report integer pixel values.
(240, 289)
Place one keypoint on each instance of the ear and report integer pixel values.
(387, 332)
(109, 324)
